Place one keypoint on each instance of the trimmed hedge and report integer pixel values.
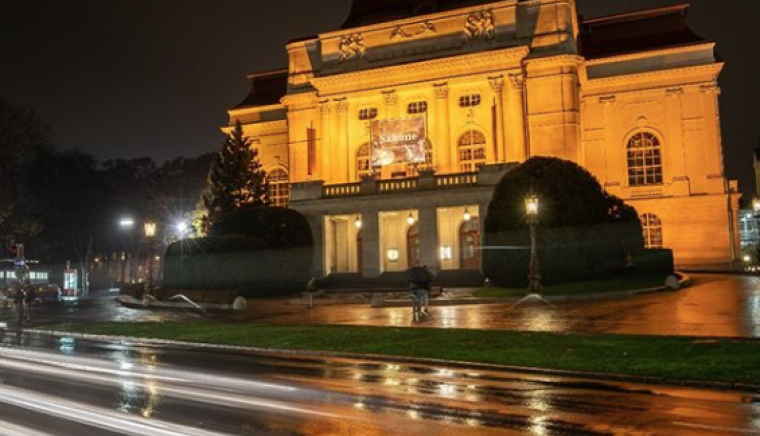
(257, 252)
(584, 233)
(246, 265)
(655, 262)
(277, 227)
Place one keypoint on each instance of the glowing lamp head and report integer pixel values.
(756, 205)
(410, 219)
(127, 223)
(467, 215)
(747, 258)
(182, 227)
(358, 223)
(150, 229)
(531, 206)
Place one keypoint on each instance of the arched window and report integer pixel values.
(652, 230)
(644, 160)
(363, 168)
(472, 151)
(279, 187)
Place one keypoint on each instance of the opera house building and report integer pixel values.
(390, 133)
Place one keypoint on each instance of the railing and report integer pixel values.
(455, 180)
(347, 190)
(399, 185)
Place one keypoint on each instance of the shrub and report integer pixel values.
(278, 227)
(239, 263)
(584, 233)
(258, 252)
(655, 262)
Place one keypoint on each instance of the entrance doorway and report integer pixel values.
(469, 245)
(360, 250)
(413, 251)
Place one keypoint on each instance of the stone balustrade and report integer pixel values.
(427, 180)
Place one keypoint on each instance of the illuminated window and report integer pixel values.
(368, 114)
(472, 151)
(652, 230)
(279, 188)
(363, 168)
(644, 160)
(471, 100)
(418, 107)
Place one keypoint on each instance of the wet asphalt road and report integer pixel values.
(71, 387)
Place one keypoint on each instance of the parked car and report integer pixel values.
(49, 294)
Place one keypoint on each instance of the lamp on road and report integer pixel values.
(150, 234)
(534, 276)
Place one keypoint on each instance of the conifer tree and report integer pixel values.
(236, 179)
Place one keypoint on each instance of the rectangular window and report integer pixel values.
(368, 114)
(471, 100)
(417, 107)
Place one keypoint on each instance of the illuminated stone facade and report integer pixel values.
(633, 98)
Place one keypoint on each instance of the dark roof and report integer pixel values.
(637, 31)
(267, 88)
(365, 12)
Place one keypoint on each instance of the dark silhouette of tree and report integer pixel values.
(22, 135)
(236, 179)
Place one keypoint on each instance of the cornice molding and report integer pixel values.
(651, 53)
(435, 70)
(713, 70)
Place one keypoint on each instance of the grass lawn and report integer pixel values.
(595, 287)
(672, 358)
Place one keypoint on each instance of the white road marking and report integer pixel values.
(94, 416)
(717, 428)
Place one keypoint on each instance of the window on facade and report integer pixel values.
(472, 151)
(644, 160)
(418, 107)
(652, 230)
(368, 114)
(279, 188)
(471, 100)
(363, 168)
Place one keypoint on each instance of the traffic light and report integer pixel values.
(16, 251)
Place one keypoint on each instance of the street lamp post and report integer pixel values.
(534, 276)
(150, 234)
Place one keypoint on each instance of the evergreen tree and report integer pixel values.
(236, 179)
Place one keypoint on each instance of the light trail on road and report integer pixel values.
(103, 389)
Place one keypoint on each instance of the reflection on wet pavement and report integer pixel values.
(715, 306)
(245, 393)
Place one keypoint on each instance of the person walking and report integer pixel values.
(420, 279)
(18, 305)
(30, 295)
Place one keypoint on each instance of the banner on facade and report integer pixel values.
(400, 140)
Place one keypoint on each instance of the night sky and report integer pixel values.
(128, 78)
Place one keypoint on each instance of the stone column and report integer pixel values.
(341, 157)
(518, 152)
(428, 224)
(497, 86)
(442, 152)
(612, 153)
(371, 259)
(674, 162)
(324, 169)
(714, 151)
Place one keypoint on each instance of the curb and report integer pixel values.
(683, 280)
(725, 386)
